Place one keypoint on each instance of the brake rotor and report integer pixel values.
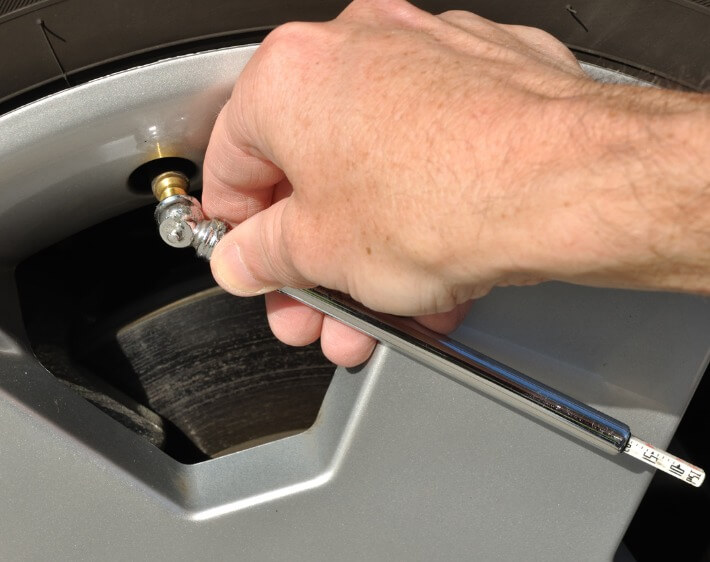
(210, 365)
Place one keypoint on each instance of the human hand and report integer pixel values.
(412, 161)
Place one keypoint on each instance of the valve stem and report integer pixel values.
(168, 184)
(179, 216)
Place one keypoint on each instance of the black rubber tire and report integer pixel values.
(47, 45)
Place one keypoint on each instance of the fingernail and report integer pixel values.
(233, 275)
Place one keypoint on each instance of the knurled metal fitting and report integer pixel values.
(206, 235)
(179, 216)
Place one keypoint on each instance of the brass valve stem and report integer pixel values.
(168, 184)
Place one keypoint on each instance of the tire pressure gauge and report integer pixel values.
(181, 223)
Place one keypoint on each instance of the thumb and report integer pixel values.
(252, 259)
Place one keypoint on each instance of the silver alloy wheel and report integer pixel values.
(401, 463)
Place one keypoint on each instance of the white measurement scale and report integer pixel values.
(666, 462)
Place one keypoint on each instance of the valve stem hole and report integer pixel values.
(139, 181)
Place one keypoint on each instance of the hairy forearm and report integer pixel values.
(630, 206)
(662, 216)
(682, 239)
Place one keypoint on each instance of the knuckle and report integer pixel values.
(546, 44)
(372, 5)
(536, 34)
(290, 49)
(289, 36)
(546, 40)
(393, 11)
(280, 65)
(457, 15)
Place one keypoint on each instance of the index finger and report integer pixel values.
(236, 182)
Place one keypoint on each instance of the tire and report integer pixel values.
(81, 40)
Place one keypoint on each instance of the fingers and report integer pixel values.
(253, 258)
(236, 184)
(445, 322)
(292, 322)
(297, 324)
(343, 345)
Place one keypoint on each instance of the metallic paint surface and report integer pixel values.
(402, 462)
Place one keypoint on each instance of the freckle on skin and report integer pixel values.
(368, 250)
